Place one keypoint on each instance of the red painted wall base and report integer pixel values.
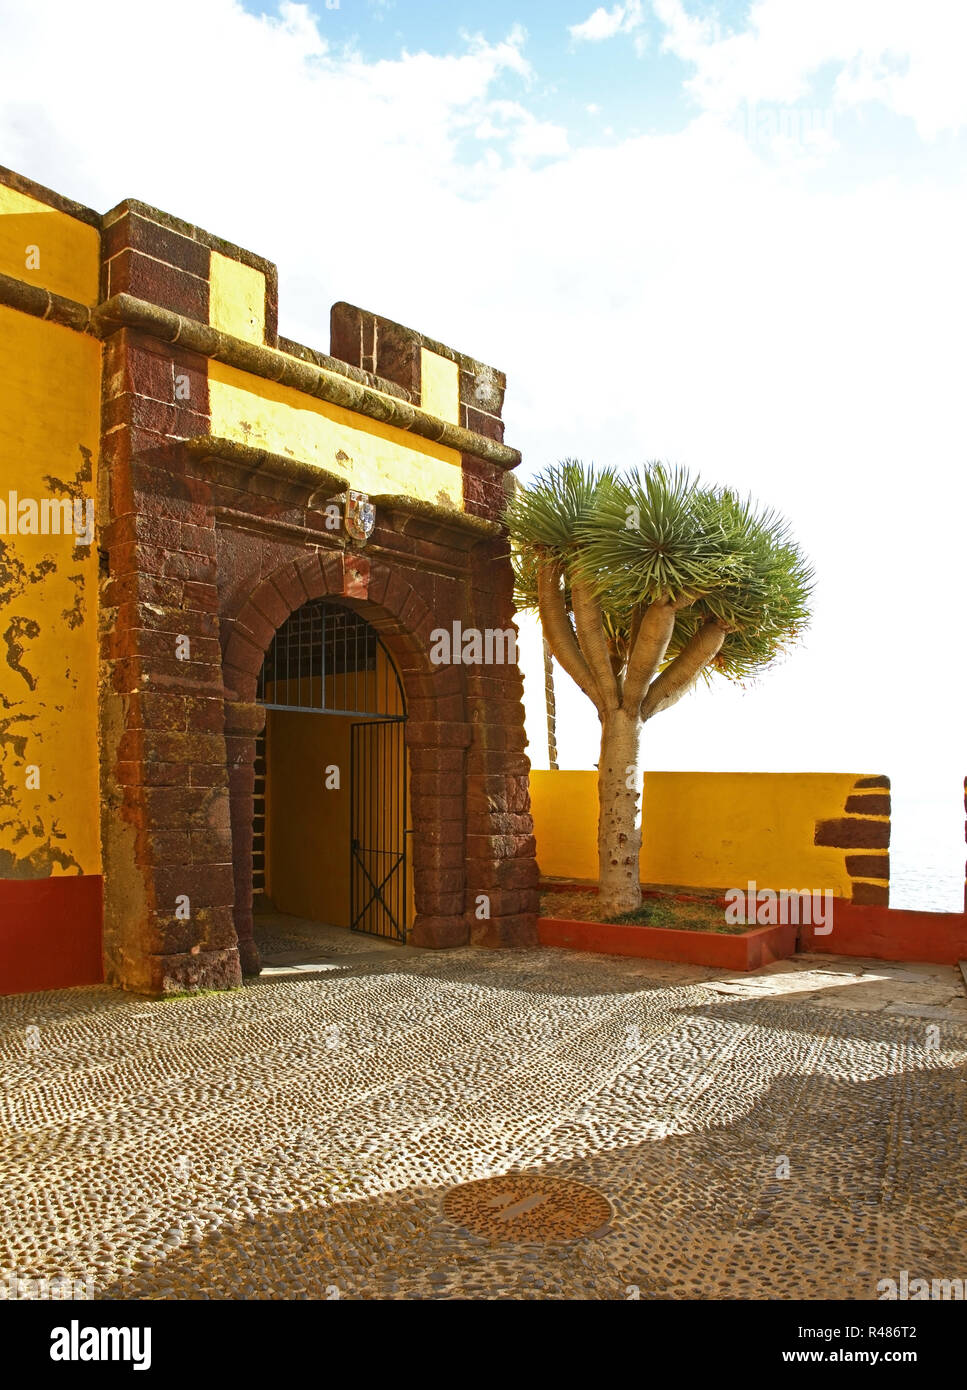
(891, 933)
(50, 933)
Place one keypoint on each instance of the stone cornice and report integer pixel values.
(251, 467)
(43, 304)
(11, 179)
(333, 364)
(445, 516)
(125, 311)
(336, 382)
(257, 470)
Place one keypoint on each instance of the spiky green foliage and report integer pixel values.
(659, 536)
(551, 510)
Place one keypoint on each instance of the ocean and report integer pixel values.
(927, 845)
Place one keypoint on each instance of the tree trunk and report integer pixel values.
(619, 820)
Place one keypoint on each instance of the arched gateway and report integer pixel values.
(471, 858)
(473, 870)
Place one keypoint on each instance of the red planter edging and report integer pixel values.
(754, 948)
(859, 929)
(50, 933)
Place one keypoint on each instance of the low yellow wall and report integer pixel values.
(702, 829)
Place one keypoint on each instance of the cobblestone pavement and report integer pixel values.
(297, 1138)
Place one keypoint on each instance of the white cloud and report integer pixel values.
(605, 24)
(908, 58)
(297, 21)
(529, 139)
(537, 140)
(486, 130)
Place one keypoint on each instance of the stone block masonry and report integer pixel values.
(864, 830)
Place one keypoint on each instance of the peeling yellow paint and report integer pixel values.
(49, 820)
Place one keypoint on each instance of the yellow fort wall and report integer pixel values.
(703, 829)
(165, 284)
(49, 430)
(50, 402)
(376, 458)
(43, 246)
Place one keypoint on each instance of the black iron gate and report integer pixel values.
(328, 660)
(377, 856)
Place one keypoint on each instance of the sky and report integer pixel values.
(729, 236)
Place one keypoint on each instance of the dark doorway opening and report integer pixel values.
(331, 810)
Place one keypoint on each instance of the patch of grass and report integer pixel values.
(667, 912)
(652, 913)
(694, 911)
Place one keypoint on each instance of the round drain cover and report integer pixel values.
(522, 1207)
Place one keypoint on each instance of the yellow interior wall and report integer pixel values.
(308, 825)
(377, 458)
(237, 299)
(362, 690)
(49, 408)
(69, 250)
(702, 829)
(440, 386)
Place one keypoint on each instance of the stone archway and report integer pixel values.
(194, 605)
(437, 730)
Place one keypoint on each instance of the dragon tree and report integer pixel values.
(645, 584)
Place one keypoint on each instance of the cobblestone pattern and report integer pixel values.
(297, 1138)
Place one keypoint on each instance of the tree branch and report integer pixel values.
(681, 674)
(560, 634)
(646, 655)
(589, 622)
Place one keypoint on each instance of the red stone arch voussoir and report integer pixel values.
(437, 731)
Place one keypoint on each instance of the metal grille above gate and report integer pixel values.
(325, 659)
